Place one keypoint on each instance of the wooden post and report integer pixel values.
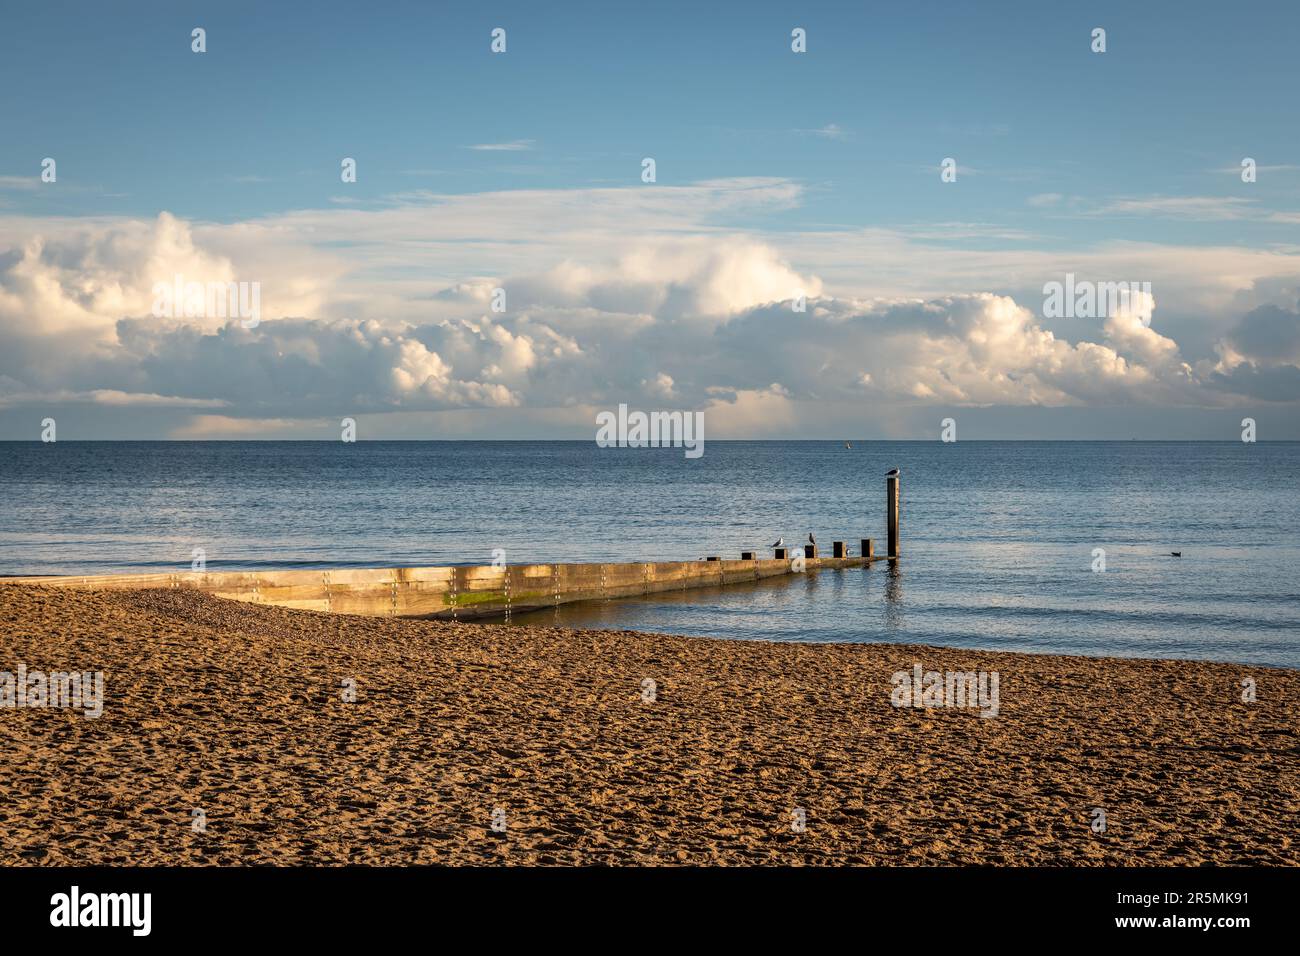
(747, 555)
(838, 550)
(810, 550)
(781, 553)
(868, 548)
(714, 558)
(891, 514)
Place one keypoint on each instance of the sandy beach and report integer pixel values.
(226, 739)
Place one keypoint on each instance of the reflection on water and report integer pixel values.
(893, 596)
(739, 602)
(823, 601)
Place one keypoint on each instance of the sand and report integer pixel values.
(238, 711)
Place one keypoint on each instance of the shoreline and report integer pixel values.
(236, 711)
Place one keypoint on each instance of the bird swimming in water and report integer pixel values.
(780, 542)
(893, 473)
(1175, 554)
(847, 445)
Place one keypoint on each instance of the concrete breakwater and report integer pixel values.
(461, 592)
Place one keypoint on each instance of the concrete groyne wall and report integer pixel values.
(456, 592)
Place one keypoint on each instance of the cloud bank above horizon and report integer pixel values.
(654, 296)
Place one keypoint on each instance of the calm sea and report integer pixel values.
(998, 537)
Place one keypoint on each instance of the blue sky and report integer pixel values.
(1062, 153)
(1010, 90)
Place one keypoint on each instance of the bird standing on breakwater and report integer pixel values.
(893, 473)
(780, 543)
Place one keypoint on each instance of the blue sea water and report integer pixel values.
(997, 537)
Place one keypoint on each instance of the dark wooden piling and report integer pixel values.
(868, 548)
(780, 554)
(891, 514)
(810, 550)
(838, 550)
(747, 556)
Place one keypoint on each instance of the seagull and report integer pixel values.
(893, 473)
(811, 539)
(847, 445)
(780, 542)
(1175, 554)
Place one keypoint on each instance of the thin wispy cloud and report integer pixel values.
(1045, 200)
(1196, 209)
(19, 182)
(514, 146)
(107, 396)
(975, 129)
(952, 231)
(1275, 168)
(829, 131)
(934, 168)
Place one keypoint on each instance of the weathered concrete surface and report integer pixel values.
(450, 592)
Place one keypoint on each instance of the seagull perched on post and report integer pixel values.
(780, 542)
(893, 473)
(811, 539)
